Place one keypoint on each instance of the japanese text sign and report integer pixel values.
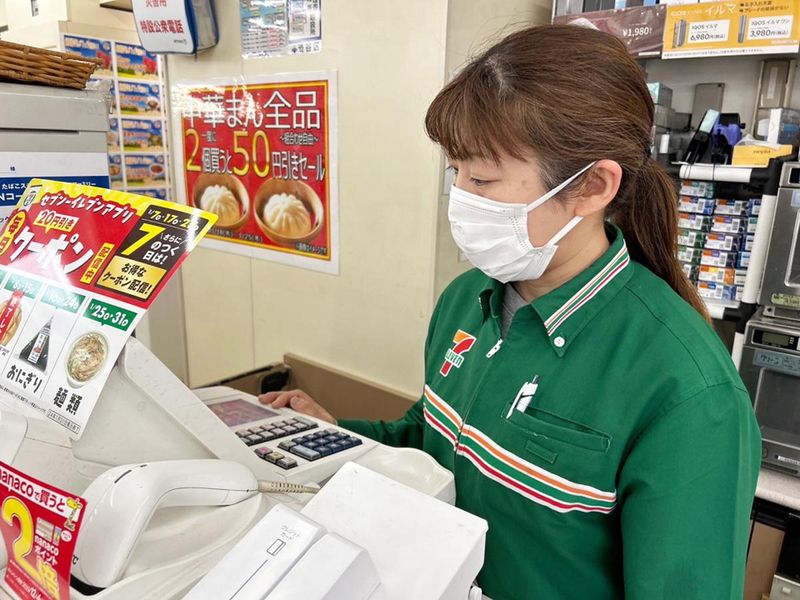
(732, 28)
(261, 156)
(39, 527)
(79, 265)
(163, 25)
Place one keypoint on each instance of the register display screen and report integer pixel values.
(239, 412)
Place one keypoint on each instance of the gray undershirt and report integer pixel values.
(512, 302)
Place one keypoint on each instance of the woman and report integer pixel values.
(573, 384)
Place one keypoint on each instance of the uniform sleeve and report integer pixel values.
(686, 491)
(407, 431)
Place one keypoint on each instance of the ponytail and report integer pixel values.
(647, 214)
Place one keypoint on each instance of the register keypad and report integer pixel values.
(310, 446)
(273, 431)
(316, 445)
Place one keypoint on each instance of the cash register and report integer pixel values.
(146, 416)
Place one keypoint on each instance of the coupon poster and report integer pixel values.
(79, 265)
(732, 28)
(261, 155)
(39, 526)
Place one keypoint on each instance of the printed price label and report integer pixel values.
(709, 31)
(767, 28)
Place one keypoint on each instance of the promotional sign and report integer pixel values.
(642, 29)
(134, 62)
(79, 266)
(140, 99)
(280, 27)
(92, 48)
(732, 28)
(39, 526)
(137, 136)
(261, 156)
(18, 168)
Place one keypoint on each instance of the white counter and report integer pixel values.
(779, 488)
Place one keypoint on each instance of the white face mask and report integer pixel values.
(494, 235)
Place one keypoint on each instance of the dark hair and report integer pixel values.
(569, 95)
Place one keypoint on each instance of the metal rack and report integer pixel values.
(767, 181)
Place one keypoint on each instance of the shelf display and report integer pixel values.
(138, 136)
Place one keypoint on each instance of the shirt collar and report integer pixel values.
(565, 311)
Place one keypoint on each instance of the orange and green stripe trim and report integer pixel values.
(509, 470)
(614, 267)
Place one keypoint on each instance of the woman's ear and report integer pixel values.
(601, 187)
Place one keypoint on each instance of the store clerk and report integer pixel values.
(573, 386)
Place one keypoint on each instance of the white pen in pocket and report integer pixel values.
(528, 392)
(523, 399)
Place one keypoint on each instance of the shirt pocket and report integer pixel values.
(547, 433)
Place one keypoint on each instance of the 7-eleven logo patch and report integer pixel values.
(462, 343)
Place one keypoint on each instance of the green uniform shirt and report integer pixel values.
(632, 470)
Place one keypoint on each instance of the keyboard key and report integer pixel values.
(290, 429)
(262, 452)
(354, 440)
(335, 447)
(244, 432)
(273, 457)
(268, 436)
(330, 431)
(292, 421)
(305, 421)
(311, 444)
(287, 463)
(258, 429)
(324, 450)
(286, 444)
(280, 432)
(304, 452)
(278, 423)
(252, 440)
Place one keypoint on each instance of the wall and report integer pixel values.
(370, 320)
(3, 17)
(81, 17)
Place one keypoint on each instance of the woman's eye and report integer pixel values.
(479, 182)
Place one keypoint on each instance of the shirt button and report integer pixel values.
(559, 342)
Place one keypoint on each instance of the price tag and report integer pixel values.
(706, 32)
(769, 28)
(39, 524)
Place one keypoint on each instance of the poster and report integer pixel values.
(732, 28)
(79, 266)
(92, 48)
(40, 525)
(280, 27)
(261, 155)
(642, 29)
(137, 136)
(18, 168)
